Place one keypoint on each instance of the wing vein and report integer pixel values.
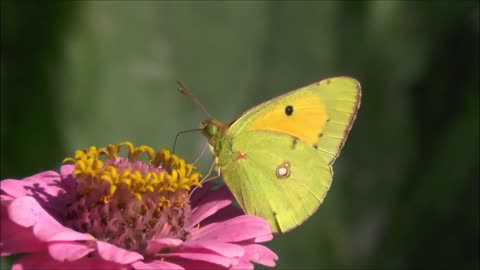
(313, 193)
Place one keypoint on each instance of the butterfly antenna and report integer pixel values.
(182, 132)
(184, 90)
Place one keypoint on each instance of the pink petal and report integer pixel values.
(209, 205)
(237, 229)
(243, 265)
(69, 251)
(259, 254)
(197, 265)
(201, 192)
(44, 261)
(36, 261)
(155, 246)
(224, 249)
(211, 258)
(66, 170)
(17, 239)
(263, 238)
(115, 254)
(47, 228)
(42, 185)
(68, 181)
(27, 212)
(228, 212)
(157, 264)
(71, 236)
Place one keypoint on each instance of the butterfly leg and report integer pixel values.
(201, 153)
(215, 161)
(207, 177)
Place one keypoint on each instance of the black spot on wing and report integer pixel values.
(289, 110)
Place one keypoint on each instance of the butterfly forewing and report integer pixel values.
(320, 114)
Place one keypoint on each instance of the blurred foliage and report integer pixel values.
(405, 192)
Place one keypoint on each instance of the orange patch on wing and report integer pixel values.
(305, 123)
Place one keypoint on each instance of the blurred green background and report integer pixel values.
(405, 191)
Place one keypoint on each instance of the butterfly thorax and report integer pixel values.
(218, 138)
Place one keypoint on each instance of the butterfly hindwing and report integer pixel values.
(276, 177)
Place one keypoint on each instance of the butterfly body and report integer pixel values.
(276, 157)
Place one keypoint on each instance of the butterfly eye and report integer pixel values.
(211, 129)
(289, 110)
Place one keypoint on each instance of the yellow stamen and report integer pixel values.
(167, 172)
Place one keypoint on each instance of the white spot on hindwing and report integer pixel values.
(283, 170)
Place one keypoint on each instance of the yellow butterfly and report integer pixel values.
(276, 157)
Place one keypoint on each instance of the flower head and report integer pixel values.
(106, 211)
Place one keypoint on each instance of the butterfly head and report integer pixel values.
(210, 127)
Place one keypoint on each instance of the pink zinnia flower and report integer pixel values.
(124, 213)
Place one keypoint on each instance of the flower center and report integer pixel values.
(126, 201)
